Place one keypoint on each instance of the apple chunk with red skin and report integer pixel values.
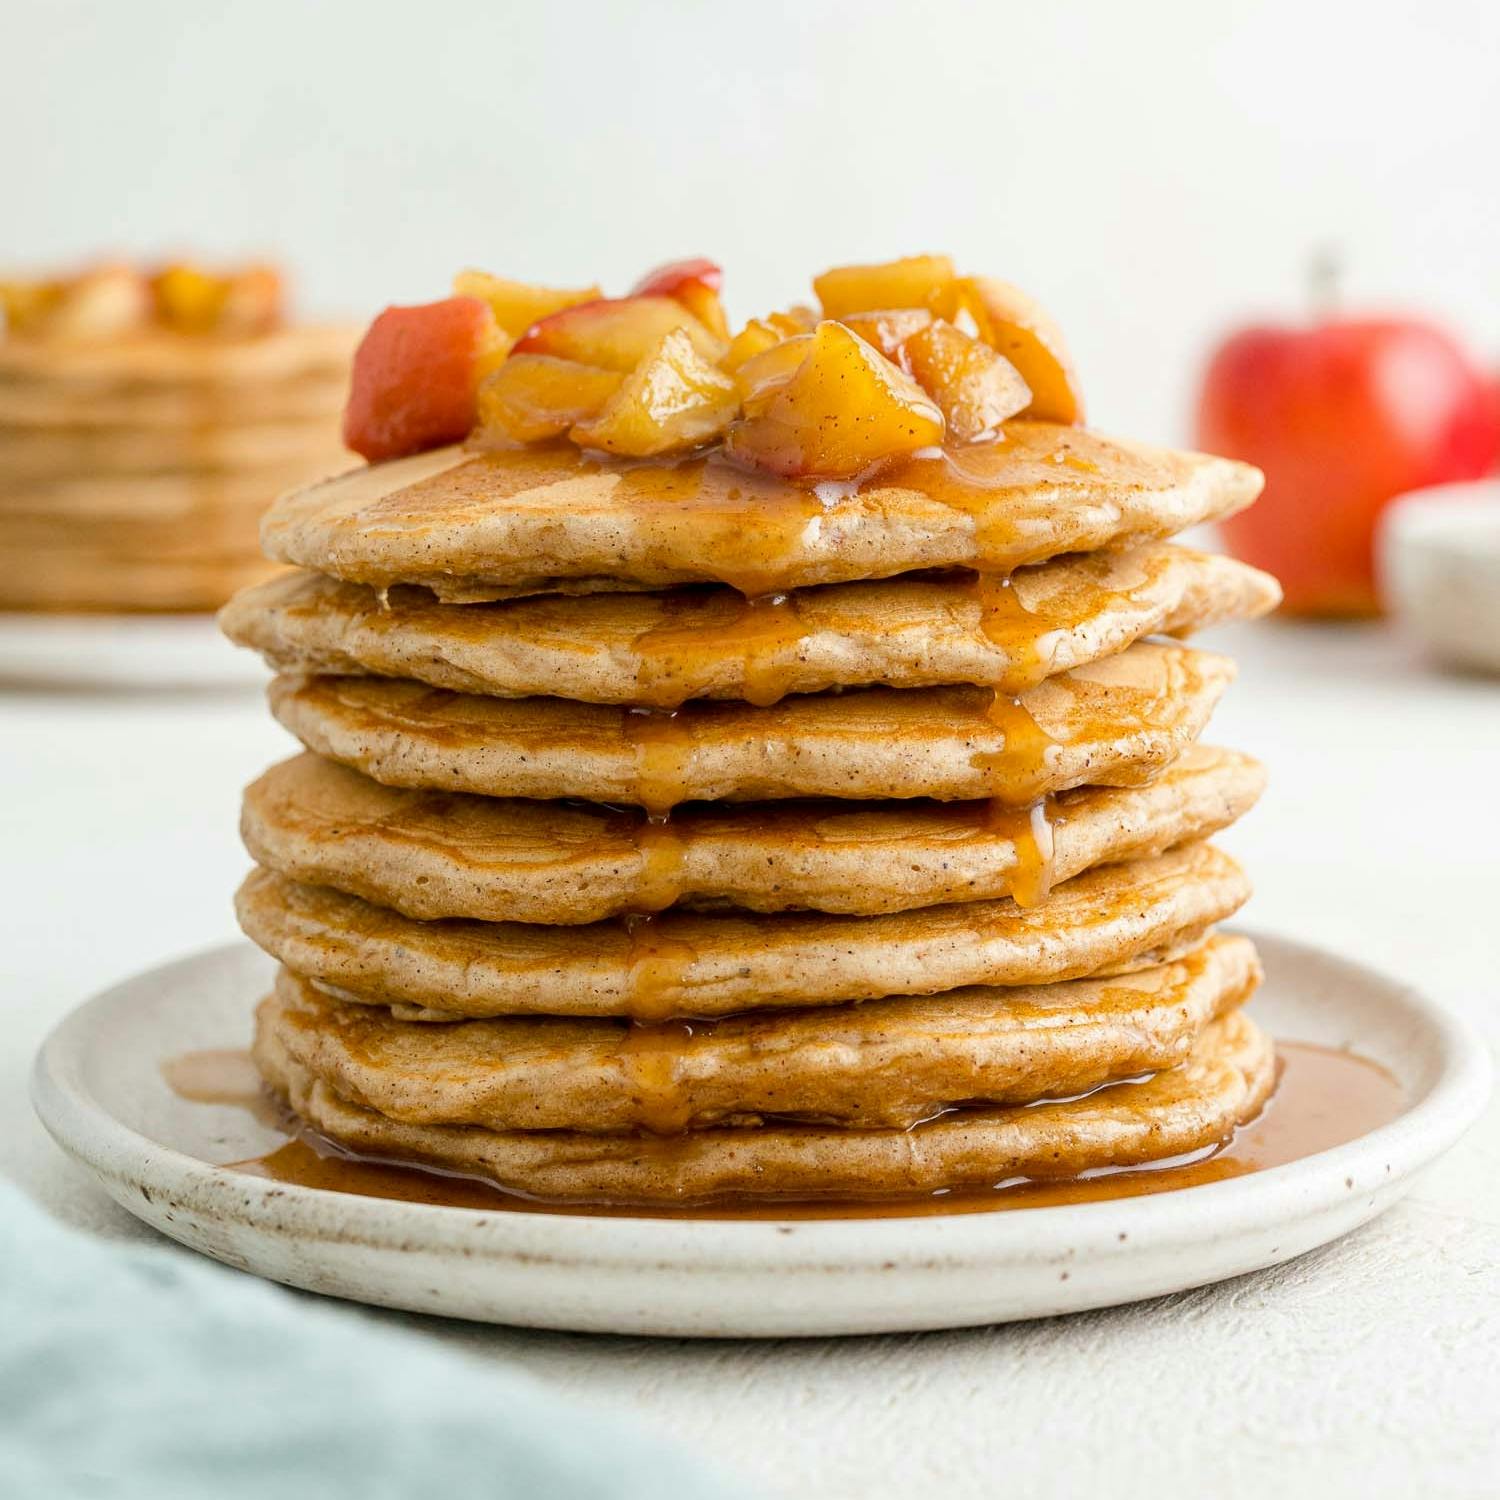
(532, 397)
(616, 333)
(976, 388)
(672, 401)
(416, 377)
(844, 408)
(694, 283)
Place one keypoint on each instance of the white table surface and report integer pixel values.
(1369, 1368)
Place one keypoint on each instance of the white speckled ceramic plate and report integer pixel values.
(123, 653)
(99, 1090)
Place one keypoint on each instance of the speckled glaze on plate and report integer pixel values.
(98, 1088)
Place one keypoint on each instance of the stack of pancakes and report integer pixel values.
(672, 833)
(136, 458)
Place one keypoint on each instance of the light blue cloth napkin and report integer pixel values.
(143, 1371)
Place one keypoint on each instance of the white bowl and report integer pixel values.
(1439, 552)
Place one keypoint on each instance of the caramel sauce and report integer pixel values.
(658, 967)
(223, 1076)
(1325, 1097)
(749, 523)
(651, 1052)
(1030, 832)
(762, 639)
(1007, 623)
(660, 882)
(663, 746)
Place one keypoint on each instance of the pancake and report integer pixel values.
(207, 402)
(160, 358)
(885, 1063)
(1223, 1083)
(50, 454)
(1113, 722)
(659, 650)
(487, 525)
(444, 854)
(78, 579)
(686, 963)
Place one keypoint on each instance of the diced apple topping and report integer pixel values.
(845, 408)
(616, 333)
(694, 283)
(532, 397)
(761, 377)
(1017, 327)
(416, 377)
(100, 304)
(673, 400)
(917, 281)
(907, 354)
(516, 305)
(189, 299)
(754, 338)
(889, 329)
(975, 388)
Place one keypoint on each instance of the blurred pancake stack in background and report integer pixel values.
(744, 769)
(147, 419)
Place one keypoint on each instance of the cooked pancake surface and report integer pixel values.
(659, 650)
(1223, 1082)
(882, 1063)
(477, 525)
(1113, 722)
(696, 964)
(445, 854)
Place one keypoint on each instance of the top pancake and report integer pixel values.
(658, 650)
(482, 526)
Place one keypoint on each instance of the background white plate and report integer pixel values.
(98, 1088)
(122, 652)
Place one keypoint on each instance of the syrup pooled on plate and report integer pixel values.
(1325, 1097)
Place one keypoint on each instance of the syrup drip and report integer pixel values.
(1010, 625)
(663, 747)
(1325, 1097)
(750, 524)
(660, 882)
(651, 1054)
(1030, 832)
(1023, 763)
(659, 967)
(760, 643)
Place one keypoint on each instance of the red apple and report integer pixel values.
(1342, 416)
(416, 377)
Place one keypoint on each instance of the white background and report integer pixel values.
(1151, 171)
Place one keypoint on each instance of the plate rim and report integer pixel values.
(86, 1130)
